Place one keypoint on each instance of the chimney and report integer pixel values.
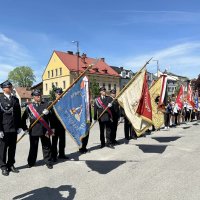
(83, 57)
(102, 59)
(70, 52)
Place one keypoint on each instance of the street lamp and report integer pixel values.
(157, 66)
(77, 46)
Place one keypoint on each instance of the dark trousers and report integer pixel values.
(103, 126)
(167, 119)
(46, 149)
(114, 130)
(7, 150)
(59, 134)
(127, 128)
(85, 141)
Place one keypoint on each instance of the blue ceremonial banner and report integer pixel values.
(73, 110)
(196, 100)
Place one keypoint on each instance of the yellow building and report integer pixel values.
(62, 70)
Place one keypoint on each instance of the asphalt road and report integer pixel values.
(162, 166)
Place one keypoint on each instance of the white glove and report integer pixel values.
(45, 112)
(20, 131)
(1, 134)
(109, 105)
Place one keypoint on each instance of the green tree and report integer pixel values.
(94, 88)
(22, 76)
(52, 93)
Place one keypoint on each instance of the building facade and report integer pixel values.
(63, 68)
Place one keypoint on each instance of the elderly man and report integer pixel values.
(10, 125)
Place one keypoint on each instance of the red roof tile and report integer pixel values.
(23, 92)
(70, 61)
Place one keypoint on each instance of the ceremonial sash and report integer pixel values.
(41, 120)
(103, 106)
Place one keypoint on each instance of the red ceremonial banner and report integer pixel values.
(144, 108)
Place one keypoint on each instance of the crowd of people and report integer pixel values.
(51, 132)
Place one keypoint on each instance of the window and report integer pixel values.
(56, 84)
(51, 73)
(64, 85)
(123, 74)
(48, 74)
(115, 86)
(103, 84)
(56, 72)
(60, 71)
(109, 86)
(46, 86)
(52, 85)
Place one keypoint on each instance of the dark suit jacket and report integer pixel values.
(98, 110)
(10, 114)
(38, 129)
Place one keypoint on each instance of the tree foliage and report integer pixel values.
(22, 76)
(52, 93)
(94, 88)
(196, 84)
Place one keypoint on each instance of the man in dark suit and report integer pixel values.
(101, 103)
(59, 133)
(40, 130)
(115, 109)
(10, 125)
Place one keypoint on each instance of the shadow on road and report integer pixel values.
(102, 166)
(63, 192)
(166, 139)
(152, 148)
(186, 127)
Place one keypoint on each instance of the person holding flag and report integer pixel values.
(59, 133)
(101, 103)
(41, 130)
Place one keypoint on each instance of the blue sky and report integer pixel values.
(127, 33)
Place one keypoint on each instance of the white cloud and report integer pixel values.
(182, 59)
(12, 54)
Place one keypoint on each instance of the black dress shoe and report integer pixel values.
(63, 157)
(13, 169)
(83, 150)
(5, 172)
(115, 143)
(102, 146)
(49, 166)
(110, 146)
(54, 159)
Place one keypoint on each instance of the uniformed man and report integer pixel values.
(10, 125)
(115, 109)
(59, 133)
(105, 120)
(40, 130)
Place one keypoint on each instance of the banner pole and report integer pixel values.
(54, 102)
(127, 85)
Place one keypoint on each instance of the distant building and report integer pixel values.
(125, 75)
(174, 81)
(23, 94)
(62, 70)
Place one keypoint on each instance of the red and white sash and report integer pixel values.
(104, 106)
(41, 120)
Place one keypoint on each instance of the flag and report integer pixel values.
(155, 93)
(189, 96)
(163, 95)
(179, 99)
(144, 108)
(73, 110)
(129, 99)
